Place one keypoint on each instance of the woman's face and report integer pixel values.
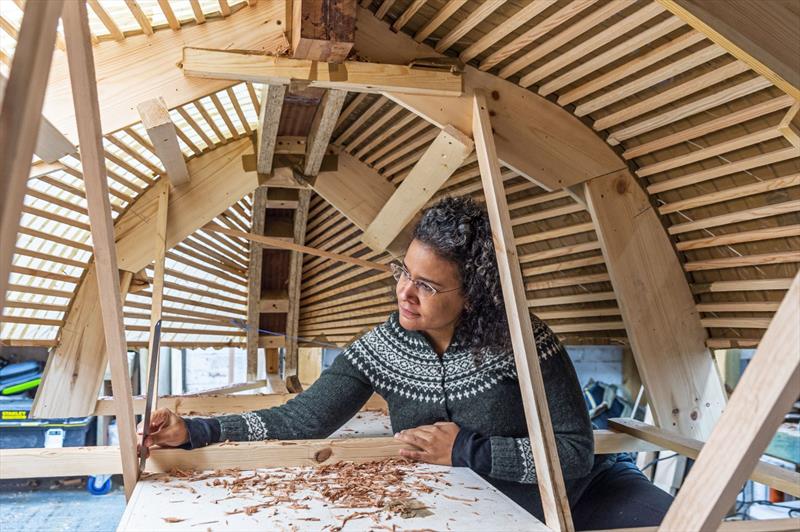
(433, 313)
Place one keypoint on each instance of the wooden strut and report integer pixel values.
(755, 410)
(84, 90)
(20, 119)
(537, 414)
(282, 244)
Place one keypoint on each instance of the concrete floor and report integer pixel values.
(59, 509)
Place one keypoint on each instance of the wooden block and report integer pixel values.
(161, 130)
(309, 365)
(323, 30)
(269, 118)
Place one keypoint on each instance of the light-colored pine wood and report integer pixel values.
(141, 18)
(601, 38)
(540, 428)
(84, 89)
(711, 101)
(322, 127)
(756, 235)
(410, 11)
(542, 28)
(523, 125)
(172, 20)
(441, 159)
(269, 116)
(486, 8)
(756, 408)
(386, 5)
(20, 119)
(759, 187)
(157, 286)
(161, 131)
(443, 14)
(350, 75)
(678, 371)
(735, 217)
(765, 34)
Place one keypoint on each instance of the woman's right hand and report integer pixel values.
(167, 429)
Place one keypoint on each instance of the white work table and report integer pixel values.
(445, 498)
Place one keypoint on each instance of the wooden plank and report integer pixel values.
(408, 14)
(269, 118)
(254, 269)
(566, 152)
(295, 281)
(106, 19)
(350, 75)
(442, 158)
(161, 131)
(281, 244)
(20, 119)
(537, 414)
(437, 20)
(777, 477)
(319, 136)
(159, 267)
(82, 461)
(764, 34)
(84, 89)
(323, 30)
(755, 410)
(75, 369)
(486, 8)
(663, 325)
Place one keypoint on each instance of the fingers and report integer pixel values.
(418, 456)
(414, 437)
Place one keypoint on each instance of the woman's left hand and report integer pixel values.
(434, 441)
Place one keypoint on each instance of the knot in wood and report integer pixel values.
(323, 454)
(621, 185)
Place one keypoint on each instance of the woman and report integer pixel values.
(445, 366)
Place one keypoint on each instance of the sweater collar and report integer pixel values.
(419, 340)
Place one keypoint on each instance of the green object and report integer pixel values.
(17, 388)
(785, 445)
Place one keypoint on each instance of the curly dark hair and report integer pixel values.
(457, 229)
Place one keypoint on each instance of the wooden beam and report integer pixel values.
(75, 369)
(442, 158)
(254, 268)
(20, 119)
(534, 137)
(159, 267)
(537, 414)
(351, 75)
(295, 282)
(774, 476)
(663, 325)
(281, 244)
(763, 34)
(756, 408)
(84, 89)
(269, 118)
(83, 461)
(161, 130)
(323, 30)
(322, 127)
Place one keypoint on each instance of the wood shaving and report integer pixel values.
(173, 519)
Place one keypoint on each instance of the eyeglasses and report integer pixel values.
(424, 288)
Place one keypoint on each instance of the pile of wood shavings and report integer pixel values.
(379, 489)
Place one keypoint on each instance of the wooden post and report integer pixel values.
(84, 90)
(756, 408)
(667, 338)
(269, 118)
(322, 127)
(159, 268)
(323, 30)
(20, 118)
(295, 280)
(537, 414)
(254, 267)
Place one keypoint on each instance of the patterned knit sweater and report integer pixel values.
(421, 388)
